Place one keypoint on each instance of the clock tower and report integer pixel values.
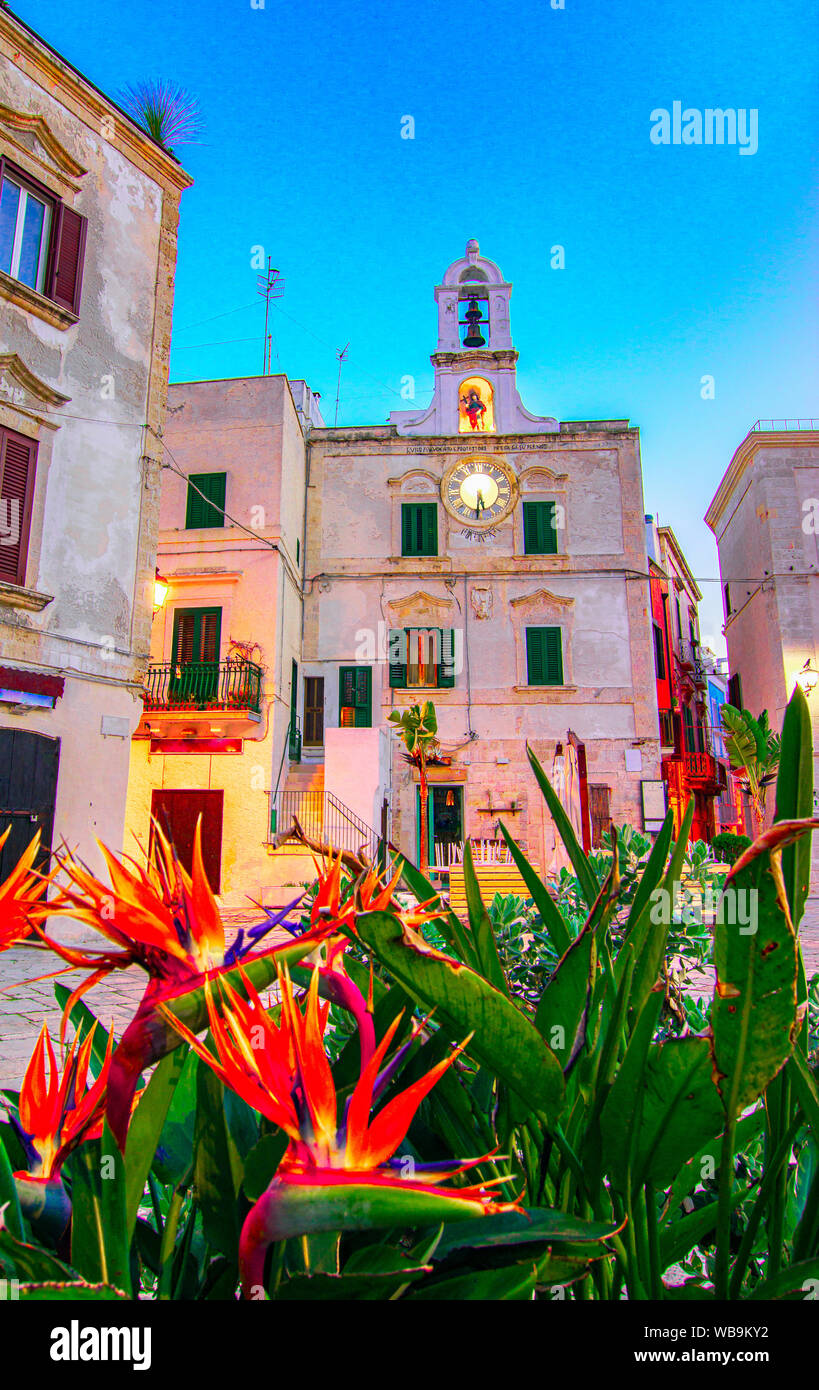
(475, 362)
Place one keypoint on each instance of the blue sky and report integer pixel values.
(531, 130)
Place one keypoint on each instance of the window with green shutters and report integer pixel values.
(208, 510)
(355, 699)
(544, 655)
(422, 658)
(419, 528)
(539, 533)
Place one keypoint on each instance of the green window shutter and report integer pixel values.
(209, 510)
(446, 669)
(398, 658)
(429, 518)
(544, 656)
(355, 692)
(419, 528)
(539, 533)
(688, 726)
(197, 634)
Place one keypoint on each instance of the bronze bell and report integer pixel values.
(474, 338)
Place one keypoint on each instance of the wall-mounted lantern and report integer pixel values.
(161, 587)
(808, 677)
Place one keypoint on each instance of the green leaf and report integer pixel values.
(564, 1002)
(12, 1215)
(798, 1281)
(536, 1225)
(213, 1172)
(691, 1173)
(753, 1019)
(481, 927)
(82, 1019)
(73, 1291)
(498, 1285)
(794, 798)
(30, 1262)
(448, 924)
(116, 1230)
(587, 882)
(504, 1039)
(174, 1152)
(550, 913)
(680, 1110)
(804, 1084)
(146, 1128)
(647, 942)
(262, 1162)
(679, 1238)
(621, 1116)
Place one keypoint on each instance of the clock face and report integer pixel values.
(480, 490)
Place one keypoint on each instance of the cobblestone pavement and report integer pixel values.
(23, 1006)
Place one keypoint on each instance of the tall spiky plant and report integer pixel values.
(754, 748)
(163, 109)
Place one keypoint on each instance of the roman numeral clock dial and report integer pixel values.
(479, 491)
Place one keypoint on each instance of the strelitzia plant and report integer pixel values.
(166, 921)
(55, 1112)
(22, 890)
(336, 1171)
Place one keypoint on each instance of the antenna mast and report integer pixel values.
(269, 286)
(341, 354)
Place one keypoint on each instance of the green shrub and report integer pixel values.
(728, 847)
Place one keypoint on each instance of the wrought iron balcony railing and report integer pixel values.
(703, 769)
(204, 685)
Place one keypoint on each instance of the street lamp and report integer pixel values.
(161, 587)
(808, 677)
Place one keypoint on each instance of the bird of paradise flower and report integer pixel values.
(336, 1171)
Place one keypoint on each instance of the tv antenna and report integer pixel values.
(341, 354)
(270, 286)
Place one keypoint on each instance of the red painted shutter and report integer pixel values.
(65, 280)
(17, 463)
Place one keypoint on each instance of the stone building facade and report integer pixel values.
(765, 517)
(470, 553)
(89, 207)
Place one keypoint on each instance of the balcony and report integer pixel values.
(231, 688)
(704, 773)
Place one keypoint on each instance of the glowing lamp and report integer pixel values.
(161, 587)
(808, 677)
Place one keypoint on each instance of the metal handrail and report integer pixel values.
(793, 424)
(222, 685)
(323, 817)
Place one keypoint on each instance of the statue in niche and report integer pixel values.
(476, 406)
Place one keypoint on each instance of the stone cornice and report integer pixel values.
(25, 50)
(755, 439)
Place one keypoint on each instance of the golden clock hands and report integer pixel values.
(480, 505)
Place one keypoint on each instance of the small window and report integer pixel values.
(659, 653)
(419, 528)
(355, 697)
(735, 692)
(688, 729)
(666, 728)
(206, 501)
(539, 530)
(422, 658)
(42, 240)
(544, 655)
(726, 589)
(25, 233)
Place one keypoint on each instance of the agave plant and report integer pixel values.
(163, 109)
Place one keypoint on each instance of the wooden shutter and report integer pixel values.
(429, 523)
(539, 534)
(544, 656)
(209, 510)
(355, 692)
(398, 658)
(18, 457)
(184, 631)
(64, 280)
(446, 669)
(210, 635)
(419, 528)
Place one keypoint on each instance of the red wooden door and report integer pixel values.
(177, 813)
